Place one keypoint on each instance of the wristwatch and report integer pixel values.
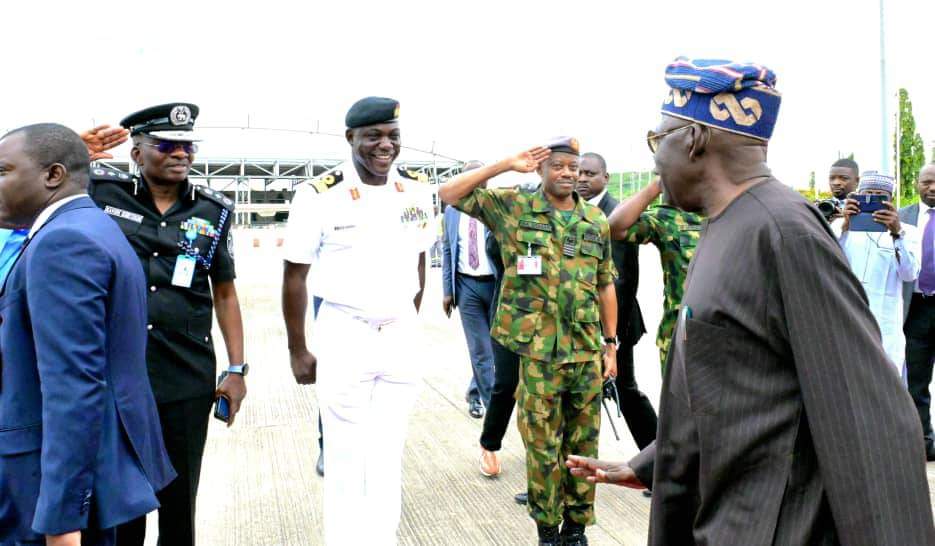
(899, 235)
(614, 340)
(240, 369)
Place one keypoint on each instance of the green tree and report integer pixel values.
(911, 149)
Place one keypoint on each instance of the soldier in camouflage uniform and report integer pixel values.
(557, 292)
(675, 233)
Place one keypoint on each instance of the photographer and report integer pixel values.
(842, 181)
(883, 261)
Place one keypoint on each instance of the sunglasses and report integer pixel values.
(653, 138)
(169, 146)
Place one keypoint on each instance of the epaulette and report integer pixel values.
(412, 175)
(106, 174)
(215, 196)
(324, 183)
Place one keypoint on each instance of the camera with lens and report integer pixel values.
(830, 208)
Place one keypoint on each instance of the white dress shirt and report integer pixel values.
(49, 210)
(464, 241)
(596, 200)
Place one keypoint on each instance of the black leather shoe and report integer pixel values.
(573, 534)
(521, 498)
(476, 409)
(548, 536)
(320, 465)
(930, 453)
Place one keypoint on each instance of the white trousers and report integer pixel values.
(368, 382)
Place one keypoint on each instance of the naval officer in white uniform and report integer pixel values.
(361, 234)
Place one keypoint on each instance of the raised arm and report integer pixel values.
(462, 185)
(628, 212)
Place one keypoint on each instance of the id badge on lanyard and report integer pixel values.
(529, 264)
(185, 265)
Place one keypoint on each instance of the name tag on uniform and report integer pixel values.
(184, 271)
(125, 214)
(529, 265)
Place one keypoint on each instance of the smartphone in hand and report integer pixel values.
(868, 205)
(222, 405)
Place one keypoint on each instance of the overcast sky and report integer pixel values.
(476, 79)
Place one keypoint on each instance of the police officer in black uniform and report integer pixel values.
(182, 235)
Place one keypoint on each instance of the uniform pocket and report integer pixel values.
(540, 241)
(594, 250)
(520, 319)
(199, 327)
(587, 326)
(128, 227)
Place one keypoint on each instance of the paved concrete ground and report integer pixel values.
(259, 485)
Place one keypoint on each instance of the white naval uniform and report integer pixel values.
(873, 259)
(363, 243)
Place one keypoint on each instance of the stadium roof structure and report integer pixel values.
(263, 188)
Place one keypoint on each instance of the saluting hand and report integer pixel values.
(103, 138)
(597, 471)
(304, 367)
(528, 161)
(235, 389)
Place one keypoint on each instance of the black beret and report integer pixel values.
(566, 145)
(371, 111)
(173, 121)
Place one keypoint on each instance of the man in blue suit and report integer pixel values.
(80, 443)
(468, 280)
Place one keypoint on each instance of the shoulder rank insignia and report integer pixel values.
(105, 174)
(216, 196)
(412, 175)
(323, 183)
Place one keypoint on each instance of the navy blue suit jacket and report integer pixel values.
(450, 252)
(80, 440)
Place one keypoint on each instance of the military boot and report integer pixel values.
(548, 535)
(573, 534)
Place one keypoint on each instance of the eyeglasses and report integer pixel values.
(169, 146)
(653, 138)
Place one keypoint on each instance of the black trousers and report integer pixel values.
(920, 353)
(637, 410)
(184, 430)
(502, 397)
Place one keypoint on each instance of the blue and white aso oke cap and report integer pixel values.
(736, 97)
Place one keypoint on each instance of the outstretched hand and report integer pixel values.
(597, 471)
(103, 138)
(528, 161)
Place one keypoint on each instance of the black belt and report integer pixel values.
(928, 298)
(478, 278)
